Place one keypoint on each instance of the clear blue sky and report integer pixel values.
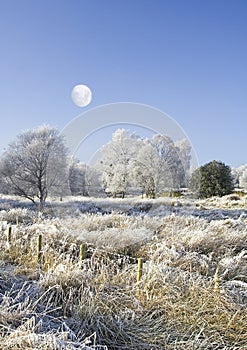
(185, 57)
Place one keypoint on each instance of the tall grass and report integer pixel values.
(192, 294)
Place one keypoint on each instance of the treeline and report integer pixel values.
(37, 164)
(130, 164)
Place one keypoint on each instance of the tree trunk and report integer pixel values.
(41, 205)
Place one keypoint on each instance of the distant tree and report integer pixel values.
(235, 176)
(212, 179)
(78, 178)
(4, 188)
(243, 179)
(240, 176)
(130, 163)
(195, 182)
(171, 165)
(84, 180)
(144, 169)
(183, 149)
(157, 166)
(35, 164)
(115, 162)
(93, 181)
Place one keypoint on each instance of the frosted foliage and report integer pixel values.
(192, 293)
(243, 179)
(35, 164)
(150, 172)
(130, 164)
(78, 178)
(240, 176)
(169, 159)
(184, 152)
(157, 166)
(115, 162)
(116, 237)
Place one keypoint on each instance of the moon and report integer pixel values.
(81, 95)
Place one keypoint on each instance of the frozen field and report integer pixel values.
(192, 293)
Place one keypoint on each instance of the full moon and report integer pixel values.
(81, 95)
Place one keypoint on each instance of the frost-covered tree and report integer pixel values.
(235, 176)
(171, 164)
(93, 181)
(148, 166)
(240, 176)
(144, 169)
(183, 149)
(78, 178)
(83, 179)
(35, 164)
(4, 188)
(243, 179)
(212, 179)
(157, 166)
(115, 162)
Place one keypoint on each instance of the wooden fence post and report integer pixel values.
(9, 238)
(216, 282)
(139, 269)
(39, 249)
(9, 235)
(83, 252)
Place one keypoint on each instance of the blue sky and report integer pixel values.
(184, 57)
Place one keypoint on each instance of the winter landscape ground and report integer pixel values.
(193, 289)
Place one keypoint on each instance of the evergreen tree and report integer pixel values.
(212, 179)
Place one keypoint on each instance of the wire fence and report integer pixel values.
(80, 253)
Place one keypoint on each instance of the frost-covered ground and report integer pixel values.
(192, 294)
(232, 206)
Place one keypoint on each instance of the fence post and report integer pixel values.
(39, 249)
(83, 252)
(139, 269)
(216, 282)
(9, 235)
(9, 238)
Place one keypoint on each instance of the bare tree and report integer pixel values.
(130, 163)
(78, 178)
(115, 162)
(183, 149)
(145, 169)
(157, 166)
(35, 164)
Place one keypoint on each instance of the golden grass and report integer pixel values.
(183, 301)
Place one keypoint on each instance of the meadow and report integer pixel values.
(79, 289)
